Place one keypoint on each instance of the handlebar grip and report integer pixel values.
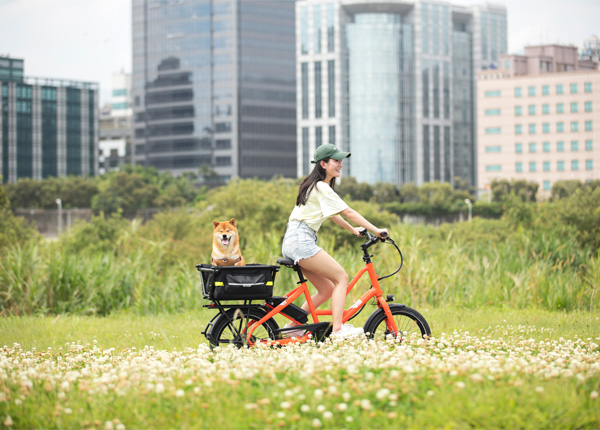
(384, 235)
(363, 232)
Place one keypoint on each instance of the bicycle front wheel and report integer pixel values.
(408, 321)
(231, 327)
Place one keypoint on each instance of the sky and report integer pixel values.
(89, 40)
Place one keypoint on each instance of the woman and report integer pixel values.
(315, 203)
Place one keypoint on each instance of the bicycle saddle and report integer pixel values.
(288, 262)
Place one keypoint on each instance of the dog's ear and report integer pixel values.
(215, 224)
(232, 221)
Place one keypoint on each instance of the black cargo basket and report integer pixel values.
(250, 282)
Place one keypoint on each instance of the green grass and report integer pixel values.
(157, 372)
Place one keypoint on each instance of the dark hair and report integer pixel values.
(310, 182)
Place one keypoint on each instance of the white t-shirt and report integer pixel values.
(322, 203)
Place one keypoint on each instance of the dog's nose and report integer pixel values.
(224, 236)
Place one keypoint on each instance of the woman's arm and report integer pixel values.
(357, 218)
(343, 223)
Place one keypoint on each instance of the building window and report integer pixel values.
(223, 161)
(574, 165)
(532, 147)
(546, 166)
(305, 154)
(331, 87)
(495, 93)
(318, 87)
(493, 168)
(559, 89)
(493, 149)
(560, 108)
(518, 167)
(318, 136)
(546, 146)
(519, 148)
(517, 110)
(588, 126)
(518, 129)
(574, 126)
(304, 90)
(493, 112)
(531, 128)
(574, 107)
(332, 134)
(493, 130)
(532, 166)
(574, 145)
(588, 145)
(317, 28)
(588, 106)
(560, 166)
(330, 27)
(546, 127)
(545, 90)
(587, 87)
(560, 127)
(589, 164)
(531, 109)
(546, 109)
(560, 146)
(531, 91)
(546, 185)
(304, 29)
(573, 88)
(518, 92)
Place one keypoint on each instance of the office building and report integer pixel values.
(393, 83)
(539, 118)
(48, 127)
(214, 85)
(114, 148)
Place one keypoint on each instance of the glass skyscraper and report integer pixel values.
(48, 127)
(393, 83)
(214, 84)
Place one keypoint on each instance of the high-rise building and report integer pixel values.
(539, 118)
(48, 127)
(114, 148)
(214, 84)
(393, 83)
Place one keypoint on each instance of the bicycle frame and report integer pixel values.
(374, 291)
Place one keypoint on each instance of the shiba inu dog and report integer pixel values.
(226, 244)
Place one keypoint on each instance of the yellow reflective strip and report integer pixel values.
(270, 283)
(219, 284)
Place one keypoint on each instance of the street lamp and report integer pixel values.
(59, 204)
(468, 202)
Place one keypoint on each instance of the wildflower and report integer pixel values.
(594, 395)
(460, 384)
(342, 407)
(120, 426)
(316, 423)
(349, 419)
(285, 405)
(539, 389)
(179, 393)
(321, 409)
(8, 422)
(382, 393)
(108, 425)
(318, 393)
(304, 408)
(327, 415)
(280, 414)
(250, 406)
(160, 388)
(346, 396)
(365, 404)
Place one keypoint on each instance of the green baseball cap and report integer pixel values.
(329, 151)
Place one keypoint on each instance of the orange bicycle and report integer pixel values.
(249, 324)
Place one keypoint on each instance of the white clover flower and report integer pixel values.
(160, 388)
(108, 425)
(342, 407)
(280, 414)
(539, 389)
(8, 422)
(460, 384)
(430, 393)
(321, 409)
(316, 423)
(382, 393)
(346, 396)
(327, 415)
(179, 393)
(120, 426)
(349, 419)
(251, 406)
(318, 393)
(594, 395)
(285, 405)
(288, 393)
(366, 404)
(304, 408)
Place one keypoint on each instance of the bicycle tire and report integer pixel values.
(224, 333)
(408, 321)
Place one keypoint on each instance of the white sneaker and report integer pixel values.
(293, 333)
(347, 330)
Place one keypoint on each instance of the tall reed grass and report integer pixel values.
(150, 269)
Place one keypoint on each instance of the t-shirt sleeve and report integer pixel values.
(331, 204)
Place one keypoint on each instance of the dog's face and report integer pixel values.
(225, 232)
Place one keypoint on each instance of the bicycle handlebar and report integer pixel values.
(383, 238)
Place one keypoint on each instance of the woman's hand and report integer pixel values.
(356, 230)
(381, 231)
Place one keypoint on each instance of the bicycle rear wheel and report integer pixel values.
(408, 321)
(231, 327)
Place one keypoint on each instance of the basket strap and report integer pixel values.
(226, 261)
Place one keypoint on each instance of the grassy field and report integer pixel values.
(483, 368)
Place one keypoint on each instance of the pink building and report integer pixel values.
(538, 118)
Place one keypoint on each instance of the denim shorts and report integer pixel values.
(299, 242)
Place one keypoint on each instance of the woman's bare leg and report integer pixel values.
(321, 267)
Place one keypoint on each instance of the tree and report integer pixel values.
(13, 230)
(348, 187)
(125, 191)
(522, 189)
